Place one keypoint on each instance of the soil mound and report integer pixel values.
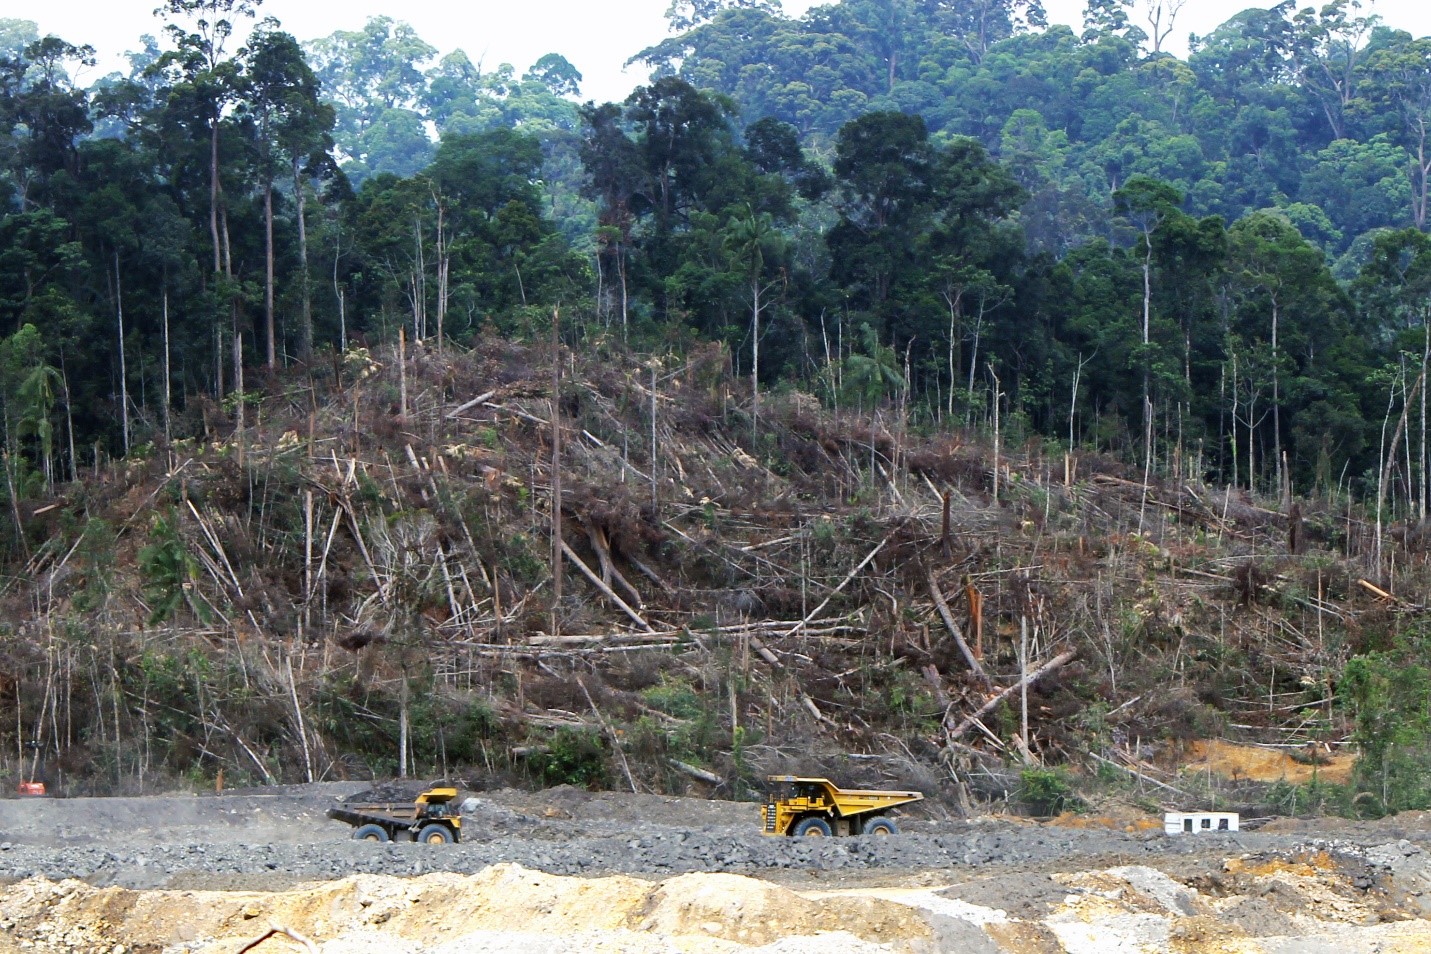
(506, 908)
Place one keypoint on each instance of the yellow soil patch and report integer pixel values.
(1306, 865)
(1134, 823)
(1257, 764)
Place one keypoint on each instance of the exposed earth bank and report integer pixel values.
(566, 869)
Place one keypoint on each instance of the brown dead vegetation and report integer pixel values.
(845, 594)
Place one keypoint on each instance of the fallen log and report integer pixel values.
(1003, 694)
(1139, 775)
(943, 606)
(606, 591)
(1376, 591)
(485, 396)
(814, 613)
(700, 774)
(274, 930)
(763, 651)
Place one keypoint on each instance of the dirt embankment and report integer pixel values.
(1317, 900)
(505, 908)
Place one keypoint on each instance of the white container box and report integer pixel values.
(1194, 823)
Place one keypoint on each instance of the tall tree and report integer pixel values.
(42, 107)
(293, 127)
(200, 67)
(754, 240)
(1146, 204)
(1273, 268)
(1328, 47)
(1399, 81)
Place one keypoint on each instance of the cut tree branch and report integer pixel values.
(606, 591)
(943, 606)
(1003, 694)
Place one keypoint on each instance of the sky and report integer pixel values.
(597, 36)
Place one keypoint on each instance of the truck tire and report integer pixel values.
(371, 833)
(435, 835)
(813, 827)
(880, 826)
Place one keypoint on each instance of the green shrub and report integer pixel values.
(1388, 694)
(573, 757)
(166, 567)
(674, 696)
(1048, 792)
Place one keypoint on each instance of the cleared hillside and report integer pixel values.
(358, 582)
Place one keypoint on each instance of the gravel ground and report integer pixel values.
(269, 841)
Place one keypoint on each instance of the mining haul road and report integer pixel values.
(562, 868)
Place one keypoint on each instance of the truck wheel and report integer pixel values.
(881, 826)
(812, 828)
(435, 835)
(370, 833)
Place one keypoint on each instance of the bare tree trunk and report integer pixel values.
(269, 322)
(419, 286)
(1389, 457)
(1162, 17)
(953, 300)
(755, 366)
(402, 372)
(228, 242)
(402, 727)
(69, 422)
(1421, 187)
(443, 261)
(338, 293)
(1073, 400)
(997, 434)
(305, 328)
(1276, 399)
(1147, 358)
(625, 294)
(974, 357)
(1024, 688)
(556, 473)
(168, 371)
(123, 371)
(214, 192)
(238, 396)
(1425, 360)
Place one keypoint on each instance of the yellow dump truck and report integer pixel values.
(816, 807)
(429, 819)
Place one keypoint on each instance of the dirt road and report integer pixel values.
(650, 873)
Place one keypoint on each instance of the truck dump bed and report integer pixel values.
(854, 801)
(428, 817)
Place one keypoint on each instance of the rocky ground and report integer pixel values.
(640, 873)
(565, 868)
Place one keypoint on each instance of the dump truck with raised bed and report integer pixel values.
(430, 819)
(816, 807)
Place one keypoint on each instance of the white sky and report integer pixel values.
(597, 36)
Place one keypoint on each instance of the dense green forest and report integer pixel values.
(1215, 266)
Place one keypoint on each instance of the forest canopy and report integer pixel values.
(944, 205)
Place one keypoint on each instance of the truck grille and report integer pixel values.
(770, 818)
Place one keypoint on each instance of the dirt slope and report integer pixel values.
(1249, 905)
